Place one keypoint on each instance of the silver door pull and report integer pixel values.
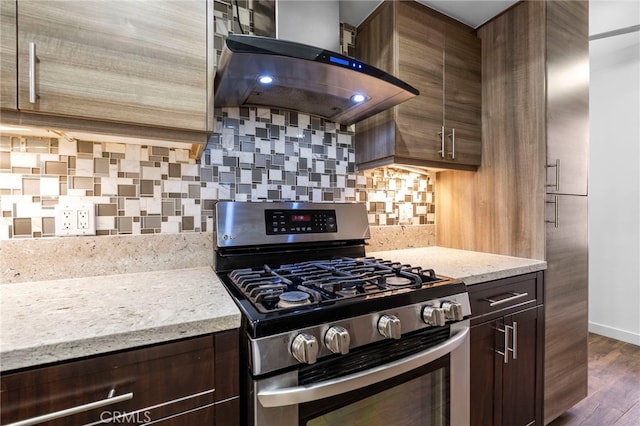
(74, 410)
(557, 167)
(442, 136)
(556, 212)
(514, 296)
(33, 96)
(453, 144)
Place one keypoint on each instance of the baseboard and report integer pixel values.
(614, 333)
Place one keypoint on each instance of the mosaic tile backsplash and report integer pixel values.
(255, 155)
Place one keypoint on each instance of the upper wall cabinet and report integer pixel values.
(8, 65)
(142, 63)
(567, 98)
(441, 58)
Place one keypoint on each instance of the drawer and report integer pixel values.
(139, 385)
(502, 296)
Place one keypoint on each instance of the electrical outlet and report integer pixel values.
(83, 219)
(75, 218)
(67, 222)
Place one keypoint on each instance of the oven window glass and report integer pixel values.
(421, 400)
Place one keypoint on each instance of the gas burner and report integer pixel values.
(291, 299)
(398, 281)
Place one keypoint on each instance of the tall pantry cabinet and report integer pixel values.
(529, 196)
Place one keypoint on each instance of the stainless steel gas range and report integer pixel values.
(331, 336)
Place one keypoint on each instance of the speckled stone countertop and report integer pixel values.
(48, 321)
(470, 266)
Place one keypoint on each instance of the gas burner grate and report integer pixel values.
(327, 281)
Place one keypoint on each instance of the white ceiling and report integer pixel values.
(605, 15)
(471, 12)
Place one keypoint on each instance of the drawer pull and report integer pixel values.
(515, 296)
(73, 410)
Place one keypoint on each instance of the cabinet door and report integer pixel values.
(462, 96)
(141, 62)
(521, 388)
(8, 64)
(567, 96)
(420, 63)
(486, 373)
(566, 305)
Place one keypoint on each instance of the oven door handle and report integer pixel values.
(280, 397)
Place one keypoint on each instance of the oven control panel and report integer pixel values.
(285, 222)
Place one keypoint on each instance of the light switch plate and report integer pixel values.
(75, 218)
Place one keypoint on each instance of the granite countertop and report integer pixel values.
(472, 267)
(49, 321)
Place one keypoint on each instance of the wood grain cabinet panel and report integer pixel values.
(441, 58)
(567, 97)
(507, 352)
(171, 384)
(143, 63)
(566, 338)
(8, 64)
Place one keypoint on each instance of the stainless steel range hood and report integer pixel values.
(304, 78)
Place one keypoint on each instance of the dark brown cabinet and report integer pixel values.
(441, 58)
(507, 329)
(171, 384)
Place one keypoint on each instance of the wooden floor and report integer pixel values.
(614, 386)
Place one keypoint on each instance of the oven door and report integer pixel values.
(430, 387)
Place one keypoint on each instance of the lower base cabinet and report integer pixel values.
(190, 381)
(507, 341)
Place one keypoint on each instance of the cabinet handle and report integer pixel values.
(505, 354)
(514, 338)
(514, 296)
(74, 410)
(33, 97)
(557, 167)
(442, 136)
(556, 214)
(453, 144)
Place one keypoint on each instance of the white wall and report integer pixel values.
(313, 22)
(614, 175)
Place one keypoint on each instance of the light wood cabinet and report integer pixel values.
(567, 115)
(134, 62)
(176, 383)
(441, 58)
(507, 351)
(566, 354)
(8, 63)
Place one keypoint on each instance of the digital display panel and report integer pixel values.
(300, 221)
(339, 61)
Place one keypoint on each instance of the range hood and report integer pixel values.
(268, 72)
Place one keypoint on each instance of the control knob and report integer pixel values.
(389, 326)
(337, 340)
(304, 348)
(452, 311)
(433, 316)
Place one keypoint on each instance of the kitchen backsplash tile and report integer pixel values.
(255, 154)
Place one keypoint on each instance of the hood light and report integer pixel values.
(358, 98)
(265, 79)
